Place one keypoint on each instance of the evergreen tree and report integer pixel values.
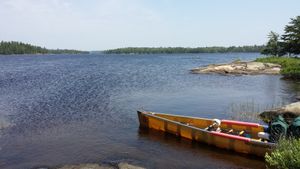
(291, 37)
(273, 47)
(8, 48)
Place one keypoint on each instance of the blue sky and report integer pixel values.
(106, 24)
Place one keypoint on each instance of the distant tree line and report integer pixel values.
(8, 48)
(288, 43)
(172, 50)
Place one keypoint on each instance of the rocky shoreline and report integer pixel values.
(240, 68)
(288, 111)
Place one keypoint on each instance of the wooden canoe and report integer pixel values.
(195, 129)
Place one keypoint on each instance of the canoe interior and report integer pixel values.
(203, 123)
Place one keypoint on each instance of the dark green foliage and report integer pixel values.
(172, 50)
(289, 42)
(290, 65)
(66, 51)
(291, 36)
(8, 48)
(274, 46)
(285, 155)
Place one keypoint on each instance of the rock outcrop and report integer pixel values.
(86, 166)
(122, 165)
(240, 68)
(288, 111)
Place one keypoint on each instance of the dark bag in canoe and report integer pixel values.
(278, 129)
(294, 129)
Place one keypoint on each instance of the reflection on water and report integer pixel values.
(201, 154)
(4, 122)
(65, 109)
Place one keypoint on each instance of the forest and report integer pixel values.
(12, 47)
(172, 50)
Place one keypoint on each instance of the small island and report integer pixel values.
(282, 56)
(12, 47)
(289, 67)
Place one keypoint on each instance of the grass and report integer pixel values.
(249, 111)
(285, 155)
(290, 65)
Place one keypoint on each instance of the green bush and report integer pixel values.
(290, 65)
(286, 155)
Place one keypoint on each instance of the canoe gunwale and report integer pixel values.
(151, 114)
(155, 114)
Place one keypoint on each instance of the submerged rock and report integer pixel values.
(128, 166)
(237, 67)
(122, 165)
(86, 166)
(288, 111)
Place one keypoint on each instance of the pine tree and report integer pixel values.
(291, 37)
(274, 46)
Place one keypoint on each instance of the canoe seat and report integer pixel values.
(239, 133)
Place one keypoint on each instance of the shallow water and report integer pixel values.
(70, 109)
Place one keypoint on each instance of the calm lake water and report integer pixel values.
(71, 109)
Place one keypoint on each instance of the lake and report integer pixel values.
(71, 109)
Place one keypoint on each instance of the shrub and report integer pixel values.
(285, 155)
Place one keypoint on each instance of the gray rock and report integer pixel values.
(237, 67)
(86, 166)
(122, 165)
(128, 166)
(288, 111)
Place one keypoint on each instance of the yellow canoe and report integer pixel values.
(194, 128)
